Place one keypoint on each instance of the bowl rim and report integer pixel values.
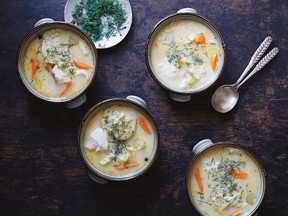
(180, 15)
(33, 32)
(129, 103)
(245, 147)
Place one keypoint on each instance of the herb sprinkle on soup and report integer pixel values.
(225, 181)
(119, 140)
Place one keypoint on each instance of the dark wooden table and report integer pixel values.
(41, 171)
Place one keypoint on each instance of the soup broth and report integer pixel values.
(225, 181)
(119, 140)
(185, 55)
(58, 64)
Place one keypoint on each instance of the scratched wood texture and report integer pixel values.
(40, 170)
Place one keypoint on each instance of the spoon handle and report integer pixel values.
(261, 49)
(256, 56)
(261, 64)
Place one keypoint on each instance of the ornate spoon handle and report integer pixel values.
(267, 59)
(261, 64)
(261, 50)
(256, 56)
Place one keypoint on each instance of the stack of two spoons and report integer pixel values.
(226, 96)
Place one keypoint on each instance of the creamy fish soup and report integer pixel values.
(58, 64)
(225, 181)
(118, 140)
(185, 55)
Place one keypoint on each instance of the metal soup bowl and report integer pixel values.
(40, 27)
(184, 14)
(205, 145)
(132, 102)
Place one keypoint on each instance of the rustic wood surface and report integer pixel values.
(41, 171)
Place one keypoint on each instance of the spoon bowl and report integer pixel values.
(225, 98)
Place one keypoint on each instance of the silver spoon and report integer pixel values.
(226, 96)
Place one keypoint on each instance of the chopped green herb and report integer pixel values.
(71, 71)
(239, 163)
(67, 44)
(118, 147)
(58, 54)
(259, 102)
(176, 53)
(197, 60)
(282, 156)
(99, 18)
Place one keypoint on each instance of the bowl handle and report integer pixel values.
(200, 146)
(187, 10)
(97, 179)
(183, 10)
(180, 98)
(77, 102)
(137, 100)
(42, 21)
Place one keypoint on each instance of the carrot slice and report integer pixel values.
(81, 65)
(66, 89)
(199, 180)
(35, 66)
(237, 174)
(199, 39)
(127, 165)
(155, 45)
(213, 61)
(49, 68)
(144, 125)
(236, 213)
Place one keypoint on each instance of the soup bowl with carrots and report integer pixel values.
(185, 54)
(118, 139)
(57, 62)
(225, 179)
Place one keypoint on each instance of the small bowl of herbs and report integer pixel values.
(107, 22)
